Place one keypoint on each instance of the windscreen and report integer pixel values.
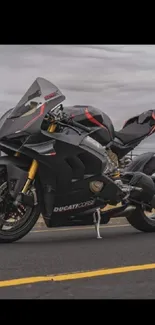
(39, 92)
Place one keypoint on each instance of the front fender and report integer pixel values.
(139, 163)
(17, 173)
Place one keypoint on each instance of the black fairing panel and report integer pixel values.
(139, 163)
(66, 146)
(140, 119)
(16, 171)
(5, 161)
(101, 135)
(17, 175)
(80, 192)
(72, 160)
(122, 150)
(43, 148)
(5, 116)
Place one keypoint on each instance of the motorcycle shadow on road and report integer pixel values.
(83, 237)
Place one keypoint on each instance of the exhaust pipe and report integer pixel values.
(126, 212)
(118, 212)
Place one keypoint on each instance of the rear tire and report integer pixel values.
(140, 221)
(149, 168)
(138, 218)
(18, 232)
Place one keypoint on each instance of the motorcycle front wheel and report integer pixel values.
(15, 222)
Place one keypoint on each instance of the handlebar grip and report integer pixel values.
(81, 126)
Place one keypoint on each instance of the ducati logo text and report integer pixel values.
(74, 206)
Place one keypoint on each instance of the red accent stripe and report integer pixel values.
(124, 124)
(36, 117)
(92, 119)
(153, 127)
(53, 153)
(152, 130)
(50, 95)
(153, 115)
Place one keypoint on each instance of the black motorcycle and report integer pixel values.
(47, 148)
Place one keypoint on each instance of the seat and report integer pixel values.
(133, 132)
(137, 127)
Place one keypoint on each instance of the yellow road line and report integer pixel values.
(79, 228)
(76, 276)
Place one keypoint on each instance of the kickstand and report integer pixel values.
(97, 220)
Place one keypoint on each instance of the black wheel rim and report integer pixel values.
(150, 214)
(11, 217)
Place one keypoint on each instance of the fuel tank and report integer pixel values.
(94, 118)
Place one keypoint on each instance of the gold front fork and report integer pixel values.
(34, 166)
(31, 175)
(51, 128)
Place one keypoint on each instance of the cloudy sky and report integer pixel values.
(119, 79)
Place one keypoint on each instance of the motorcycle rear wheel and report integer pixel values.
(11, 228)
(149, 168)
(142, 220)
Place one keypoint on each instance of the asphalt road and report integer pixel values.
(73, 264)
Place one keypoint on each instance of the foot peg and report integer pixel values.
(97, 220)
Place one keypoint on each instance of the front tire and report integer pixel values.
(140, 220)
(29, 216)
